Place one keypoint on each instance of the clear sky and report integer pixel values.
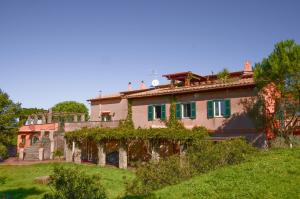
(57, 50)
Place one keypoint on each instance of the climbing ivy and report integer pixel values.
(128, 122)
(100, 134)
(173, 122)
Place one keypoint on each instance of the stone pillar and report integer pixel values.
(182, 153)
(68, 153)
(49, 118)
(35, 120)
(77, 155)
(155, 148)
(51, 137)
(101, 154)
(75, 118)
(29, 120)
(41, 154)
(122, 154)
(21, 154)
(43, 119)
(42, 134)
(82, 118)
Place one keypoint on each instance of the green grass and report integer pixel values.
(19, 180)
(274, 174)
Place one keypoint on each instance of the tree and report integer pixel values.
(9, 112)
(70, 107)
(278, 80)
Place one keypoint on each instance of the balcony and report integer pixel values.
(72, 126)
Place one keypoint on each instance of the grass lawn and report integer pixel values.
(19, 181)
(274, 174)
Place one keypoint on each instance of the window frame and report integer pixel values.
(183, 104)
(154, 111)
(221, 108)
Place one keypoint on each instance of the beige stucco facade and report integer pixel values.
(115, 107)
(238, 121)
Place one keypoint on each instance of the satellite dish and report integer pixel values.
(155, 82)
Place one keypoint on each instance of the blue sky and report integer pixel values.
(57, 50)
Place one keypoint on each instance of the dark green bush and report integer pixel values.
(202, 156)
(155, 175)
(72, 183)
(3, 152)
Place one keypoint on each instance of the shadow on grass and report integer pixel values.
(20, 193)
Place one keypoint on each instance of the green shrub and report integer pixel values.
(72, 183)
(58, 153)
(202, 156)
(155, 175)
(295, 140)
(3, 151)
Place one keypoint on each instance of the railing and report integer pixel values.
(90, 124)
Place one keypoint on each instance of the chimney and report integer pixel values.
(247, 66)
(129, 86)
(142, 86)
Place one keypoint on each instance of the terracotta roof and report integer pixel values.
(110, 96)
(188, 89)
(39, 127)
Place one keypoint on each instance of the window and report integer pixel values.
(218, 108)
(186, 110)
(106, 117)
(156, 112)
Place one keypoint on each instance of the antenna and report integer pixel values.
(155, 81)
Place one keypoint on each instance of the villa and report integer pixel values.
(200, 101)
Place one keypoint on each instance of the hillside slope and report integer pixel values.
(272, 174)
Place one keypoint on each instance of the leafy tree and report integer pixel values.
(70, 107)
(73, 183)
(223, 75)
(281, 71)
(9, 112)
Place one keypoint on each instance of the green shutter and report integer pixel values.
(227, 108)
(193, 110)
(210, 110)
(178, 111)
(150, 113)
(163, 112)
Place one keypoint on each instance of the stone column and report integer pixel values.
(77, 155)
(43, 119)
(51, 137)
(101, 154)
(155, 148)
(42, 134)
(182, 153)
(122, 154)
(49, 118)
(35, 120)
(82, 118)
(75, 118)
(41, 154)
(68, 153)
(21, 154)
(29, 120)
